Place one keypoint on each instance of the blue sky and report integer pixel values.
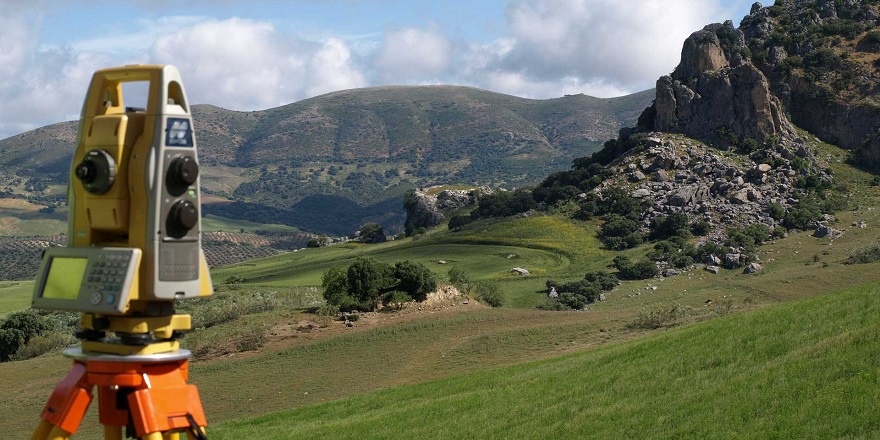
(249, 55)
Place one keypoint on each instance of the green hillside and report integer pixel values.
(809, 369)
(330, 163)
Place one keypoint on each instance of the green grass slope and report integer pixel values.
(809, 369)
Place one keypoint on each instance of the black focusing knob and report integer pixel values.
(97, 171)
(184, 170)
(182, 216)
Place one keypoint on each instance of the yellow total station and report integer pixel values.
(134, 227)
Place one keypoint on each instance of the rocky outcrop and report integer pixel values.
(425, 210)
(718, 96)
(722, 189)
(825, 91)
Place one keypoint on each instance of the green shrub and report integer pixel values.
(675, 224)
(489, 293)
(701, 228)
(640, 270)
(460, 279)
(396, 299)
(18, 329)
(659, 316)
(867, 254)
(459, 221)
(415, 279)
(41, 344)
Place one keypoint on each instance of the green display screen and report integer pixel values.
(65, 277)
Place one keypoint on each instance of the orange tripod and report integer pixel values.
(146, 394)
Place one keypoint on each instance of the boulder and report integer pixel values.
(823, 231)
(642, 193)
(690, 195)
(752, 268)
(713, 269)
(732, 260)
(521, 271)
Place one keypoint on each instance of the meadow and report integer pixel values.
(789, 352)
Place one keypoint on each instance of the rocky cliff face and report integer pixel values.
(821, 57)
(718, 96)
(426, 210)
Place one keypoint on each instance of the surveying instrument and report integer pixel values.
(133, 248)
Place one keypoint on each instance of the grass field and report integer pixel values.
(781, 354)
(809, 369)
(214, 223)
(15, 296)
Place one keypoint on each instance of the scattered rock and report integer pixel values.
(671, 272)
(823, 231)
(752, 268)
(732, 260)
(642, 193)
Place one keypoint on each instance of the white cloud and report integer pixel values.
(552, 47)
(331, 69)
(413, 55)
(617, 44)
(38, 86)
(246, 65)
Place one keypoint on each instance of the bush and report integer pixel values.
(459, 221)
(619, 232)
(701, 228)
(640, 270)
(460, 279)
(504, 203)
(660, 316)
(396, 299)
(17, 330)
(670, 226)
(489, 293)
(868, 254)
(44, 343)
(414, 279)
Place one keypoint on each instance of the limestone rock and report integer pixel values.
(714, 93)
(752, 268)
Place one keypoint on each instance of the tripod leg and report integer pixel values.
(42, 431)
(112, 432)
(66, 407)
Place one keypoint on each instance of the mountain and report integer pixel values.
(330, 163)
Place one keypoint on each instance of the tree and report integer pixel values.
(459, 221)
(335, 284)
(414, 278)
(368, 279)
(371, 233)
(17, 329)
(460, 279)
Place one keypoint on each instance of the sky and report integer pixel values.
(253, 54)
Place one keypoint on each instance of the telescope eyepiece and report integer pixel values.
(86, 171)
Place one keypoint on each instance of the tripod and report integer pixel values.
(146, 394)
